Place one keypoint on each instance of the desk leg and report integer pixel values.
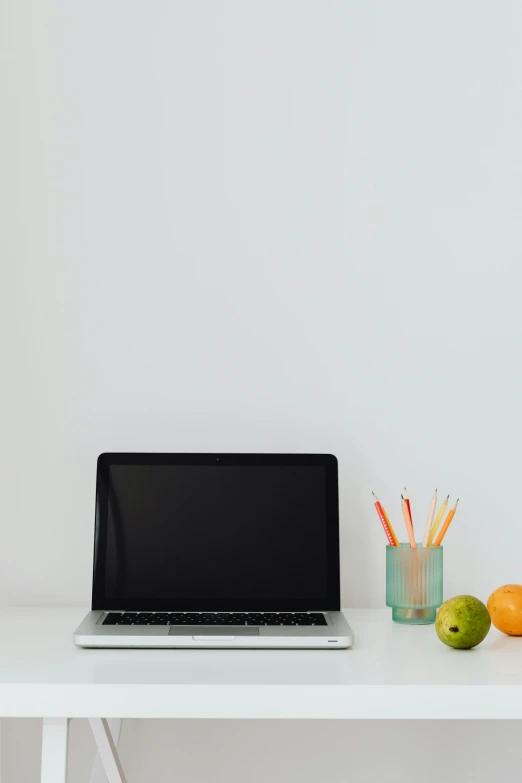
(54, 750)
(107, 750)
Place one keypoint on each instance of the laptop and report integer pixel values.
(216, 550)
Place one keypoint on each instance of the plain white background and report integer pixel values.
(263, 226)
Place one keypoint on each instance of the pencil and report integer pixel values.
(442, 511)
(407, 501)
(384, 521)
(409, 526)
(392, 531)
(445, 526)
(431, 514)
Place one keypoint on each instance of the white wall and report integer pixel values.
(262, 226)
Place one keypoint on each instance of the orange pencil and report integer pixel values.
(446, 524)
(392, 539)
(407, 501)
(409, 526)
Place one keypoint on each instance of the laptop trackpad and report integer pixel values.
(225, 632)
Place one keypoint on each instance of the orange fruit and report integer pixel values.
(505, 608)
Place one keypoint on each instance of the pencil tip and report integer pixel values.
(402, 496)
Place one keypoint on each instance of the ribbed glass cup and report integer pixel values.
(414, 583)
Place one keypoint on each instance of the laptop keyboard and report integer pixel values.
(214, 618)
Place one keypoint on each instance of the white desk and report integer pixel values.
(392, 672)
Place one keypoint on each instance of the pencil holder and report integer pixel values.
(414, 583)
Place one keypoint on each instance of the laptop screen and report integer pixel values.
(222, 536)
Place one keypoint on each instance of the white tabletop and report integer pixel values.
(392, 671)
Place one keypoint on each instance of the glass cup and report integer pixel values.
(414, 583)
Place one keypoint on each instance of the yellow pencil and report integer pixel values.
(446, 525)
(431, 514)
(392, 531)
(442, 511)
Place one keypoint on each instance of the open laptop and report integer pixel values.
(216, 550)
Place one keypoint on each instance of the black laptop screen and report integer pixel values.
(216, 537)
